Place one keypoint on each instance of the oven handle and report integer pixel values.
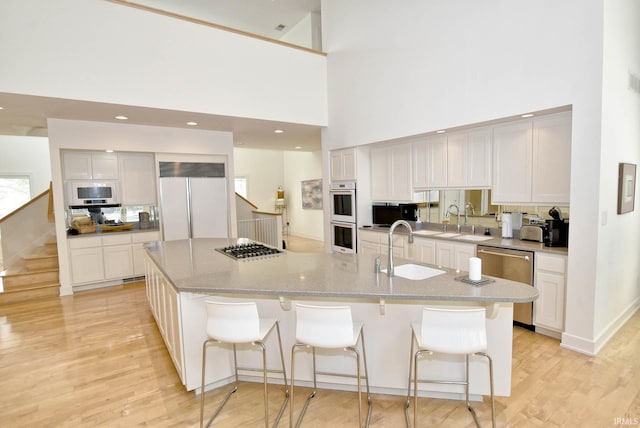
(493, 253)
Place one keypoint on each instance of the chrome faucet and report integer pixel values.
(391, 230)
(467, 208)
(448, 214)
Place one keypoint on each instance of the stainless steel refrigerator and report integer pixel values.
(193, 200)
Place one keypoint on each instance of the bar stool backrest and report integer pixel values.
(236, 322)
(324, 326)
(454, 331)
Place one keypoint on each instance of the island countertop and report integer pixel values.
(195, 266)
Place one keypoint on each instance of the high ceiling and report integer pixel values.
(27, 115)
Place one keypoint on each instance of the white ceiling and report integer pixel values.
(27, 115)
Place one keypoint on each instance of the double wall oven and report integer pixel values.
(343, 217)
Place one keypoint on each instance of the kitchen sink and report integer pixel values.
(426, 232)
(415, 272)
(448, 235)
(474, 237)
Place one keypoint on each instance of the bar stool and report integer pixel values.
(238, 323)
(459, 331)
(329, 328)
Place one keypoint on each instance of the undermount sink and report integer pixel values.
(415, 272)
(426, 232)
(448, 235)
(474, 237)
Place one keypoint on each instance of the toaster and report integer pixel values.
(536, 233)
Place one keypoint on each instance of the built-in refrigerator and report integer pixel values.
(193, 200)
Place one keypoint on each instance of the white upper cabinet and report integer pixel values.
(138, 178)
(89, 165)
(532, 161)
(458, 160)
(391, 173)
(343, 165)
(551, 179)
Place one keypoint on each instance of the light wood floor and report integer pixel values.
(96, 359)
(298, 244)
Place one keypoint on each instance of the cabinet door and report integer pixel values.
(478, 159)
(400, 186)
(118, 262)
(380, 174)
(549, 307)
(462, 253)
(366, 247)
(551, 169)
(422, 250)
(343, 165)
(104, 166)
(437, 162)
(76, 165)
(137, 178)
(419, 163)
(87, 265)
(512, 146)
(457, 160)
(445, 254)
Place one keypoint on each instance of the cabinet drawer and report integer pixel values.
(551, 262)
(369, 236)
(145, 237)
(93, 241)
(116, 239)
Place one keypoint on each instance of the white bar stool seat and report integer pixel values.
(238, 323)
(329, 327)
(459, 331)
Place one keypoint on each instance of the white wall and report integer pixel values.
(105, 52)
(73, 134)
(26, 156)
(298, 167)
(454, 63)
(267, 169)
(264, 171)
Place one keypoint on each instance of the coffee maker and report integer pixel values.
(558, 229)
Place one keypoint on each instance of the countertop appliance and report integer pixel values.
(250, 250)
(87, 193)
(558, 233)
(193, 200)
(537, 233)
(515, 265)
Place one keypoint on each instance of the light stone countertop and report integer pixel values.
(194, 266)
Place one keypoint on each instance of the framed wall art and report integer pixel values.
(626, 187)
(312, 194)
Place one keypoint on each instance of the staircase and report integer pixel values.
(34, 276)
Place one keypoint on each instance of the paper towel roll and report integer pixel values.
(475, 269)
(507, 225)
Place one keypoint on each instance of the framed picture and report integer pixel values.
(312, 194)
(626, 187)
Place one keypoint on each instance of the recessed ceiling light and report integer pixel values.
(298, 147)
(109, 150)
(121, 117)
(278, 131)
(527, 115)
(442, 131)
(192, 123)
(1, 108)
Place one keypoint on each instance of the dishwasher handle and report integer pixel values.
(493, 253)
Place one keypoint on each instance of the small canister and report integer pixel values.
(143, 217)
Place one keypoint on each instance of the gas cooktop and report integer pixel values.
(248, 251)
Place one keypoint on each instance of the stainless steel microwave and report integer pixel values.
(86, 193)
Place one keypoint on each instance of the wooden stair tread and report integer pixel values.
(28, 287)
(20, 269)
(42, 253)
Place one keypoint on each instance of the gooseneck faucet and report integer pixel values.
(391, 230)
(448, 214)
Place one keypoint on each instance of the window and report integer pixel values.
(15, 191)
(241, 186)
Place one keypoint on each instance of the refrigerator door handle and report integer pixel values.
(189, 211)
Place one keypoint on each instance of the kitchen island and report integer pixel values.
(181, 275)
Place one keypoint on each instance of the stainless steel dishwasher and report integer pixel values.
(515, 265)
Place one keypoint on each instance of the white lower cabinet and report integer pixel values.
(451, 255)
(422, 250)
(550, 277)
(377, 243)
(106, 258)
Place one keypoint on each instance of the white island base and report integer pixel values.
(181, 318)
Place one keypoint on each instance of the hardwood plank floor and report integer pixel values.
(96, 359)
